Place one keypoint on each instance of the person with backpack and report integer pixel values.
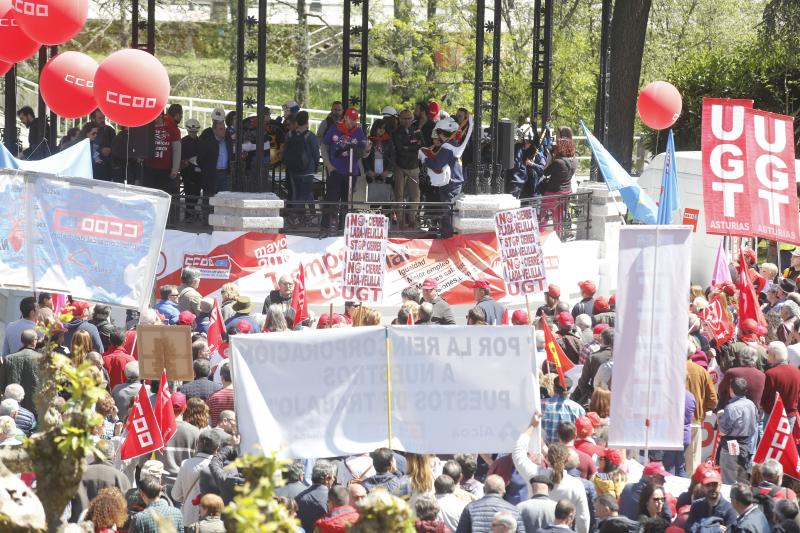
(301, 157)
(711, 510)
(771, 480)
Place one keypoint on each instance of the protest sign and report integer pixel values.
(165, 347)
(365, 238)
(95, 240)
(324, 393)
(650, 338)
(522, 256)
(690, 217)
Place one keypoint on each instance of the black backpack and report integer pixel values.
(295, 153)
(766, 501)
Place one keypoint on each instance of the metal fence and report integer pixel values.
(566, 214)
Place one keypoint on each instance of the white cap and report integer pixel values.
(218, 114)
(192, 124)
(389, 111)
(448, 124)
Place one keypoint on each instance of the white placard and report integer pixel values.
(649, 375)
(365, 238)
(520, 251)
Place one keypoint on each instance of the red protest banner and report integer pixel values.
(748, 301)
(144, 435)
(778, 441)
(165, 415)
(216, 327)
(727, 191)
(717, 321)
(771, 171)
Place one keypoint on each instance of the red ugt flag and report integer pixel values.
(165, 415)
(717, 320)
(555, 354)
(748, 302)
(215, 329)
(778, 441)
(299, 304)
(144, 436)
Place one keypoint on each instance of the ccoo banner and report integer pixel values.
(323, 393)
(95, 240)
(650, 339)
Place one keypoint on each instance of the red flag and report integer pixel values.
(796, 433)
(216, 327)
(778, 441)
(716, 320)
(410, 318)
(165, 416)
(143, 436)
(299, 303)
(748, 302)
(555, 354)
(506, 321)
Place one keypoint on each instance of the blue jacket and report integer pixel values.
(492, 309)
(78, 324)
(338, 140)
(702, 509)
(169, 310)
(391, 481)
(477, 516)
(752, 521)
(446, 157)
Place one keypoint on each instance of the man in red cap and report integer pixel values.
(629, 499)
(591, 347)
(551, 299)
(586, 305)
(712, 503)
(519, 318)
(187, 318)
(442, 312)
(569, 340)
(602, 313)
(483, 299)
(342, 147)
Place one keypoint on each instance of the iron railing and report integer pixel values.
(566, 214)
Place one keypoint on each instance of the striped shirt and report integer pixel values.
(221, 400)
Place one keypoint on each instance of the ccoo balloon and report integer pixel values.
(659, 105)
(51, 22)
(67, 84)
(131, 87)
(14, 44)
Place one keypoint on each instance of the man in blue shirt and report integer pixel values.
(167, 306)
(559, 408)
(738, 424)
(12, 342)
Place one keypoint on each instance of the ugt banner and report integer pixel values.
(650, 337)
(95, 240)
(323, 393)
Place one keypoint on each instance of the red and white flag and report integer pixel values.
(716, 320)
(748, 302)
(144, 435)
(216, 328)
(165, 415)
(410, 318)
(299, 303)
(555, 354)
(778, 441)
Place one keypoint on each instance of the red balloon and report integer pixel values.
(659, 105)
(131, 87)
(5, 67)
(67, 84)
(14, 44)
(51, 22)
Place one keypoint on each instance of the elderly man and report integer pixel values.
(25, 419)
(8, 432)
(188, 297)
(771, 481)
(312, 503)
(790, 315)
(22, 367)
(539, 510)
(782, 378)
(442, 312)
(282, 296)
(479, 515)
(123, 392)
(482, 291)
(750, 518)
(738, 423)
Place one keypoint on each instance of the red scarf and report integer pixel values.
(343, 128)
(379, 138)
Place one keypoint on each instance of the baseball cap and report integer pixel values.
(519, 317)
(796, 252)
(433, 109)
(594, 418)
(153, 468)
(429, 284)
(186, 318)
(553, 291)
(478, 284)
(565, 319)
(598, 329)
(218, 114)
(291, 106)
(601, 305)
(352, 114)
(178, 401)
(587, 286)
(389, 111)
(612, 456)
(584, 427)
(655, 469)
(192, 124)
(324, 321)
(711, 476)
(701, 469)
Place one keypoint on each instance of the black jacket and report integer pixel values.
(559, 175)
(209, 152)
(407, 143)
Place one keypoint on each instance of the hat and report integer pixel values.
(655, 469)
(291, 106)
(478, 284)
(152, 468)
(594, 418)
(217, 114)
(587, 287)
(584, 427)
(796, 252)
(324, 321)
(389, 111)
(553, 291)
(611, 456)
(727, 287)
(519, 317)
(430, 284)
(178, 401)
(186, 318)
(244, 326)
(564, 319)
(557, 383)
(700, 471)
(352, 114)
(788, 285)
(192, 124)
(601, 305)
(750, 255)
(749, 325)
(542, 480)
(243, 305)
(598, 329)
(711, 476)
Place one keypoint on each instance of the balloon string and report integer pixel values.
(127, 154)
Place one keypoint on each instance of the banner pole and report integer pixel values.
(650, 356)
(388, 385)
(528, 309)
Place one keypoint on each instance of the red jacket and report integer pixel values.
(337, 520)
(785, 380)
(114, 362)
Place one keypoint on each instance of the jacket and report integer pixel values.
(337, 520)
(104, 328)
(442, 312)
(114, 363)
(337, 147)
(311, 147)
(169, 310)
(391, 481)
(785, 380)
(189, 299)
(699, 383)
(477, 516)
(751, 521)
(583, 392)
(22, 367)
(755, 385)
(559, 176)
(386, 149)
(584, 307)
(537, 512)
(209, 154)
(701, 508)
(407, 141)
(181, 446)
(79, 324)
(572, 343)
(199, 388)
(209, 524)
(492, 310)
(431, 526)
(312, 505)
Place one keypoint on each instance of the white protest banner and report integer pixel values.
(311, 393)
(522, 256)
(649, 374)
(461, 388)
(365, 238)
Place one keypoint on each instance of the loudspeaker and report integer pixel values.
(142, 141)
(505, 143)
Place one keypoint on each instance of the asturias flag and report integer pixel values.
(668, 201)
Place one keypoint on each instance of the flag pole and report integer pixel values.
(528, 309)
(388, 386)
(650, 357)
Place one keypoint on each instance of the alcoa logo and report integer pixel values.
(31, 8)
(8, 23)
(80, 82)
(126, 100)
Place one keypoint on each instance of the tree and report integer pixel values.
(301, 53)
(628, 31)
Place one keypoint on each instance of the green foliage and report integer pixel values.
(380, 512)
(254, 509)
